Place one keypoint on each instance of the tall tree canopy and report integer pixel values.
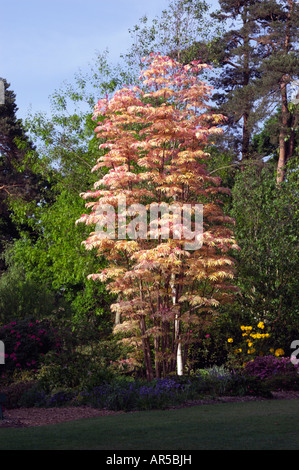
(173, 33)
(279, 36)
(156, 137)
(20, 176)
(256, 62)
(65, 151)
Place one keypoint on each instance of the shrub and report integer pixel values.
(122, 394)
(127, 395)
(242, 385)
(162, 393)
(60, 398)
(84, 359)
(36, 397)
(280, 382)
(33, 397)
(219, 380)
(15, 392)
(116, 395)
(71, 370)
(26, 342)
(248, 344)
(213, 380)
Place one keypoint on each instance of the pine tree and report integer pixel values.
(260, 61)
(237, 60)
(255, 60)
(278, 36)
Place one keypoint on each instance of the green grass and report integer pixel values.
(261, 425)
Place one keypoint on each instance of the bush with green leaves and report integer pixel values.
(21, 296)
(219, 381)
(14, 393)
(71, 371)
(78, 365)
(267, 223)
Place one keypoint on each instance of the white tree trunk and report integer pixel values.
(179, 357)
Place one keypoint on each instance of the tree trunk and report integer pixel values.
(157, 360)
(285, 114)
(282, 135)
(179, 356)
(246, 79)
(245, 137)
(291, 143)
(146, 347)
(146, 352)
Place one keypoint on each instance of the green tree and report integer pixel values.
(256, 61)
(266, 142)
(173, 33)
(56, 260)
(237, 59)
(20, 175)
(21, 297)
(278, 36)
(67, 149)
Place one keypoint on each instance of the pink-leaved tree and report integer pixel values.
(167, 274)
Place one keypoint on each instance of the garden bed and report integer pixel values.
(28, 417)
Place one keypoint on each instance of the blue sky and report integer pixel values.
(45, 42)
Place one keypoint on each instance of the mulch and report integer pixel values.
(28, 417)
(31, 417)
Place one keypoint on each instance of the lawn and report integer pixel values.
(260, 425)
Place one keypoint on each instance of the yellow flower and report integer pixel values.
(251, 351)
(261, 325)
(271, 350)
(250, 344)
(230, 340)
(279, 352)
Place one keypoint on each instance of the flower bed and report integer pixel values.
(128, 394)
